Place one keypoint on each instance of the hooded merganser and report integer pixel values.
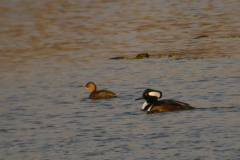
(102, 94)
(153, 105)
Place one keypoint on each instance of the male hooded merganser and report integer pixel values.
(153, 105)
(95, 95)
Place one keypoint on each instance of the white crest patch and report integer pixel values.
(144, 105)
(156, 94)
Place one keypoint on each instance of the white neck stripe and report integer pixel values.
(144, 105)
(150, 108)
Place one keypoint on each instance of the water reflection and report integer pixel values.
(79, 30)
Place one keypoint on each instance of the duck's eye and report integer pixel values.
(146, 94)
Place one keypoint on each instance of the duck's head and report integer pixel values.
(91, 86)
(151, 95)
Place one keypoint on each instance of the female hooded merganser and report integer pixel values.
(95, 95)
(153, 105)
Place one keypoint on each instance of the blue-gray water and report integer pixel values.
(45, 115)
(49, 50)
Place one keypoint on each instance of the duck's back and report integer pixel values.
(169, 105)
(102, 94)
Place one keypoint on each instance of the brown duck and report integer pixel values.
(102, 94)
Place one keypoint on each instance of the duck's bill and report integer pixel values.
(85, 88)
(139, 98)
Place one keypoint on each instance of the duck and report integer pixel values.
(101, 94)
(152, 104)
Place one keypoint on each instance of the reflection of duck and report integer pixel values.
(102, 94)
(153, 105)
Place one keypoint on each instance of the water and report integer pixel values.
(47, 116)
(50, 50)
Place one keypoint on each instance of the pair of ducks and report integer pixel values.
(151, 105)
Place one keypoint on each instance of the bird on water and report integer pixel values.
(152, 104)
(101, 94)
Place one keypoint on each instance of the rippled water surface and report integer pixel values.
(49, 50)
